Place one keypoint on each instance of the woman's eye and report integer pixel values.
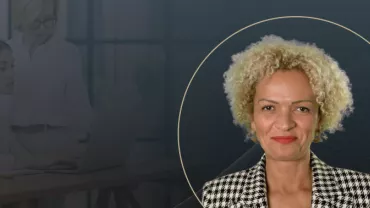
(268, 107)
(303, 109)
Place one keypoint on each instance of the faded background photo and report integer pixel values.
(90, 92)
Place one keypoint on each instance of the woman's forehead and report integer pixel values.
(288, 85)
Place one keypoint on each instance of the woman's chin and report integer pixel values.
(285, 154)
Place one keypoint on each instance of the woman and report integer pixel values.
(288, 94)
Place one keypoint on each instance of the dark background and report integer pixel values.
(162, 42)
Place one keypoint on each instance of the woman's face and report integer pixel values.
(285, 115)
(6, 72)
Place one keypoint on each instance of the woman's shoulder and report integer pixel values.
(356, 182)
(345, 174)
(223, 190)
(235, 180)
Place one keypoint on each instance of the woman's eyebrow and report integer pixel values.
(268, 100)
(300, 101)
(294, 102)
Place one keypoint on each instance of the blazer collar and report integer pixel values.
(325, 188)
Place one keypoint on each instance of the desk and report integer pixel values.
(43, 185)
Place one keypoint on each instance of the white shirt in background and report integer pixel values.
(49, 87)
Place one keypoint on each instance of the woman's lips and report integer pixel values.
(284, 139)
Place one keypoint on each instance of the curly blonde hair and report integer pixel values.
(329, 82)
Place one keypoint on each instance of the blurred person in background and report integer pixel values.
(51, 109)
(51, 113)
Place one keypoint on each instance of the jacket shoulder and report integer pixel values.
(219, 192)
(354, 182)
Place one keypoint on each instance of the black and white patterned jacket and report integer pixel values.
(332, 187)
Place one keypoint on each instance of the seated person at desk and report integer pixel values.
(51, 112)
(287, 95)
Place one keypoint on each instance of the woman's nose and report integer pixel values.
(285, 121)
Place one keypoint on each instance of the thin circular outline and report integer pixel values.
(222, 42)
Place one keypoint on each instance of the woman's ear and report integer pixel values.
(253, 125)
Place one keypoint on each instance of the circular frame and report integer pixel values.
(223, 41)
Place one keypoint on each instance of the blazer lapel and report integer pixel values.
(254, 192)
(326, 192)
(325, 188)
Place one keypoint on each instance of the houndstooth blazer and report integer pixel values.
(332, 187)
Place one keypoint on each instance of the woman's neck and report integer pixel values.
(289, 176)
